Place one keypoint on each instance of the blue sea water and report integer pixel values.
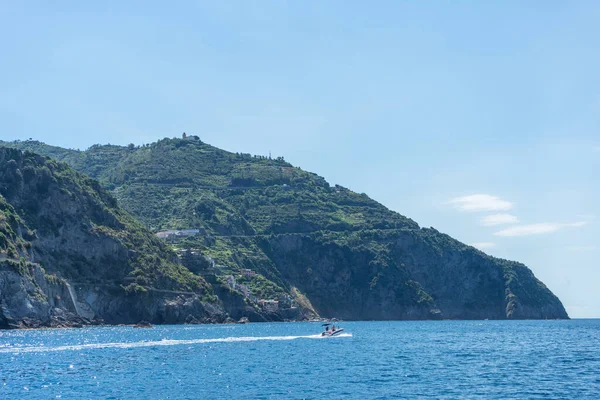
(373, 360)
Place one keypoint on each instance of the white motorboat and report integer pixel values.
(331, 332)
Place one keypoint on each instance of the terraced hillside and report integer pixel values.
(345, 254)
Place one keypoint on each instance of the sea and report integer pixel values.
(369, 360)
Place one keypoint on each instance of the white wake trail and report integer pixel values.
(163, 342)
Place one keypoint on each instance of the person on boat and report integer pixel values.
(332, 328)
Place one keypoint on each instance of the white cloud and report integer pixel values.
(596, 149)
(537, 229)
(483, 245)
(480, 202)
(533, 229)
(498, 219)
(576, 224)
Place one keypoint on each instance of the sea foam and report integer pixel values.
(163, 342)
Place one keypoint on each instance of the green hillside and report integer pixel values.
(59, 226)
(351, 256)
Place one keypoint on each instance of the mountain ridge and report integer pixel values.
(300, 233)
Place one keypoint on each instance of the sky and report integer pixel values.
(481, 119)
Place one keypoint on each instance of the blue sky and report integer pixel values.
(480, 119)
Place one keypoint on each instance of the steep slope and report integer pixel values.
(70, 255)
(349, 255)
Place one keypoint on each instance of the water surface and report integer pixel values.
(374, 360)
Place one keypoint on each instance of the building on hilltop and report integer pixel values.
(165, 234)
(195, 261)
(174, 234)
(286, 301)
(190, 137)
(248, 273)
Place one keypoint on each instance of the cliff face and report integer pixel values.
(334, 251)
(30, 298)
(401, 274)
(69, 255)
(349, 282)
(465, 283)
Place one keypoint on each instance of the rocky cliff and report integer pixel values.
(334, 251)
(70, 256)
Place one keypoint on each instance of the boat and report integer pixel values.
(330, 332)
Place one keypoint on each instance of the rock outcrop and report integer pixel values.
(413, 280)
(70, 256)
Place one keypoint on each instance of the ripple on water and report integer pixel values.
(447, 359)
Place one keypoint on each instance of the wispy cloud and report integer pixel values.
(480, 202)
(483, 245)
(596, 149)
(575, 224)
(537, 229)
(498, 219)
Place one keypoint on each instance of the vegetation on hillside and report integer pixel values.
(68, 209)
(292, 227)
(12, 244)
(222, 192)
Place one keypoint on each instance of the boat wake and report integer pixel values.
(163, 342)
